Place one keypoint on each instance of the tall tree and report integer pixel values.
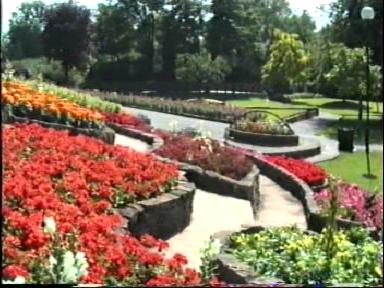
(25, 30)
(222, 36)
(66, 35)
(348, 27)
(302, 25)
(182, 25)
(287, 63)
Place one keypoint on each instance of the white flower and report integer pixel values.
(81, 264)
(49, 225)
(52, 262)
(69, 268)
(18, 280)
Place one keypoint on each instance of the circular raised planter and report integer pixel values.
(262, 139)
(162, 216)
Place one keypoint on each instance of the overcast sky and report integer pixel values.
(297, 6)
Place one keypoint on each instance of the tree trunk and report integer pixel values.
(66, 74)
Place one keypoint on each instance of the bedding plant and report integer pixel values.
(308, 172)
(207, 153)
(298, 257)
(25, 101)
(77, 182)
(263, 127)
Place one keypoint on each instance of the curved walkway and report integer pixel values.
(213, 213)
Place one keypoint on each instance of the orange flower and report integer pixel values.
(16, 93)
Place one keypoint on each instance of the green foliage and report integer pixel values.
(287, 62)
(81, 98)
(46, 70)
(207, 266)
(201, 68)
(66, 35)
(348, 70)
(295, 257)
(25, 30)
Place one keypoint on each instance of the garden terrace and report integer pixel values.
(82, 181)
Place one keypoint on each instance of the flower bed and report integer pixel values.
(206, 153)
(308, 172)
(289, 255)
(80, 98)
(128, 120)
(179, 107)
(79, 182)
(24, 101)
(261, 127)
(355, 204)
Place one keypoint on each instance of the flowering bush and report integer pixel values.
(355, 204)
(262, 127)
(129, 120)
(309, 173)
(207, 153)
(26, 101)
(72, 185)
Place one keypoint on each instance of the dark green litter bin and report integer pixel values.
(345, 137)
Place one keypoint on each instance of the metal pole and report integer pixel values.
(367, 113)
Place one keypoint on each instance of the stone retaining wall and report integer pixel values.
(301, 191)
(261, 139)
(162, 216)
(105, 134)
(246, 188)
(153, 140)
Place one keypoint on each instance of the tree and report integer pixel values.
(287, 63)
(222, 36)
(181, 28)
(66, 35)
(200, 68)
(302, 25)
(25, 30)
(348, 28)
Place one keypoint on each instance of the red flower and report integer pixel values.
(14, 270)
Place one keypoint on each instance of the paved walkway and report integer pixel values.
(131, 142)
(213, 213)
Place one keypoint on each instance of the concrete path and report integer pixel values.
(213, 213)
(278, 207)
(131, 142)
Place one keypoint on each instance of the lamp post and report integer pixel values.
(367, 13)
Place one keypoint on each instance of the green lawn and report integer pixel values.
(352, 166)
(348, 108)
(338, 107)
(375, 128)
(264, 104)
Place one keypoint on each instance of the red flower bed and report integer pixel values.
(206, 153)
(126, 119)
(355, 204)
(78, 181)
(309, 173)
